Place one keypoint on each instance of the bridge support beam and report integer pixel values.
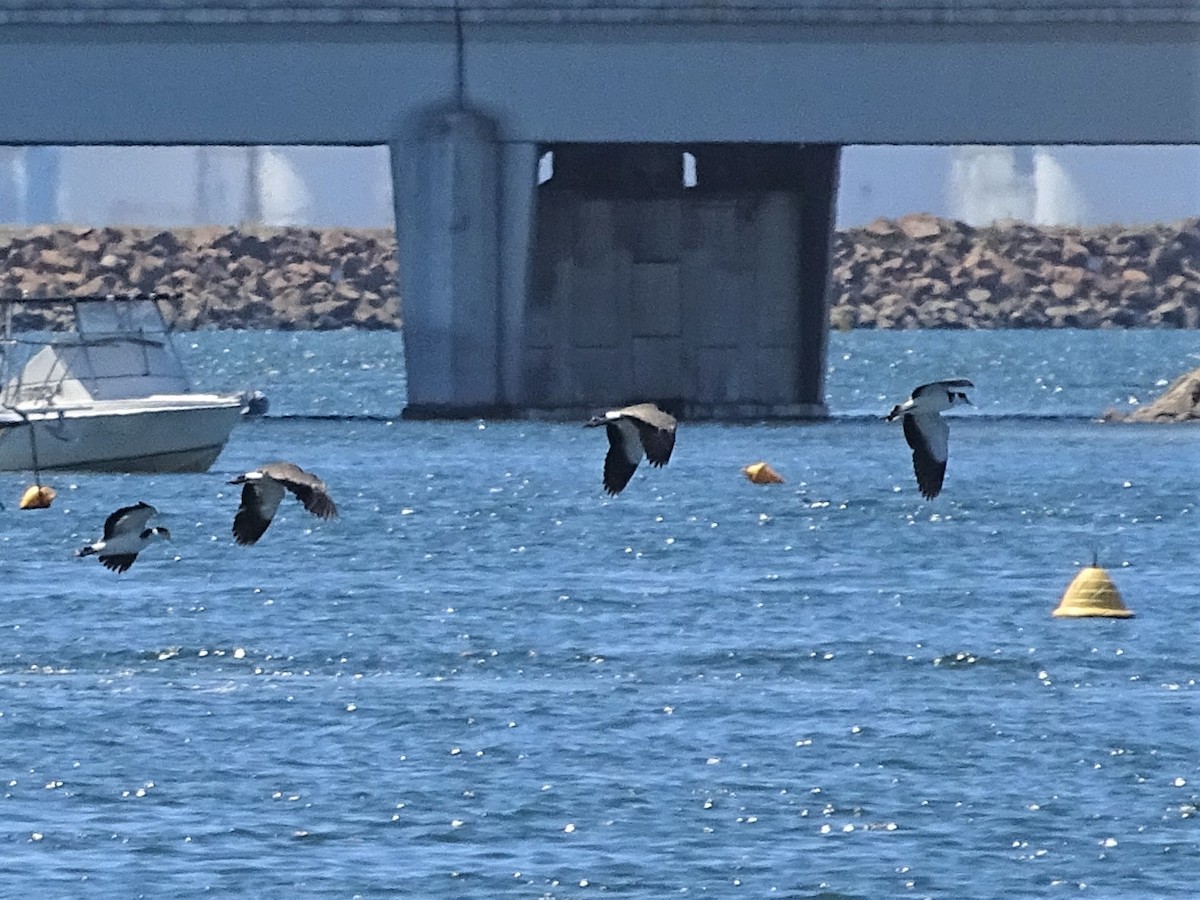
(819, 167)
(464, 211)
(518, 226)
(708, 297)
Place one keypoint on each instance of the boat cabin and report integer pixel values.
(111, 349)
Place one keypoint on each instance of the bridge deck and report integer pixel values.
(629, 12)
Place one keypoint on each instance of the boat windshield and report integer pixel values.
(89, 349)
(120, 317)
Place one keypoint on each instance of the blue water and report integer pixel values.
(485, 679)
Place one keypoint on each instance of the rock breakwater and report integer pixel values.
(924, 272)
(289, 278)
(917, 271)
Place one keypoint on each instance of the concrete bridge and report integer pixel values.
(680, 249)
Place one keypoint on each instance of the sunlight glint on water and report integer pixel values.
(488, 679)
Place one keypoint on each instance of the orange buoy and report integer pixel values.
(761, 473)
(1092, 593)
(37, 496)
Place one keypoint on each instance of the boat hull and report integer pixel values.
(183, 434)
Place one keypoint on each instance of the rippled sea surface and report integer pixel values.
(486, 679)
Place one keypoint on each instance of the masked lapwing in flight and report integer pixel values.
(927, 432)
(125, 536)
(634, 432)
(263, 488)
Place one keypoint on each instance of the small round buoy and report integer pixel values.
(1092, 593)
(761, 473)
(37, 496)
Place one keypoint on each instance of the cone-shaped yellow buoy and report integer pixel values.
(1092, 593)
(37, 496)
(761, 473)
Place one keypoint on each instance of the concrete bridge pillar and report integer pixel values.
(707, 297)
(42, 181)
(464, 210)
(615, 281)
(820, 166)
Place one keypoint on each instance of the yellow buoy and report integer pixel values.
(761, 473)
(1092, 593)
(37, 496)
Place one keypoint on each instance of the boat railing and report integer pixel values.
(69, 313)
(81, 327)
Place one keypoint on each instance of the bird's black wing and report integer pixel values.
(618, 467)
(249, 524)
(314, 498)
(941, 386)
(138, 513)
(658, 442)
(118, 563)
(308, 488)
(929, 454)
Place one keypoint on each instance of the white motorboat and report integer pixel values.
(105, 390)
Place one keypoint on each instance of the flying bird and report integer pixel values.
(125, 536)
(927, 432)
(263, 488)
(634, 431)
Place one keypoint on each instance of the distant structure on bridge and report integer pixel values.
(616, 278)
(351, 187)
(179, 186)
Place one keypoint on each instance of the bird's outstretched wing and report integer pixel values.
(656, 430)
(945, 385)
(308, 488)
(658, 442)
(119, 562)
(928, 435)
(648, 413)
(128, 519)
(253, 516)
(624, 454)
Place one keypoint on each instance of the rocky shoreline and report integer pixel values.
(923, 272)
(286, 278)
(917, 271)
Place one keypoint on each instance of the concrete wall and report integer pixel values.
(692, 301)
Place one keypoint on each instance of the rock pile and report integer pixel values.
(227, 278)
(924, 272)
(1178, 403)
(917, 271)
